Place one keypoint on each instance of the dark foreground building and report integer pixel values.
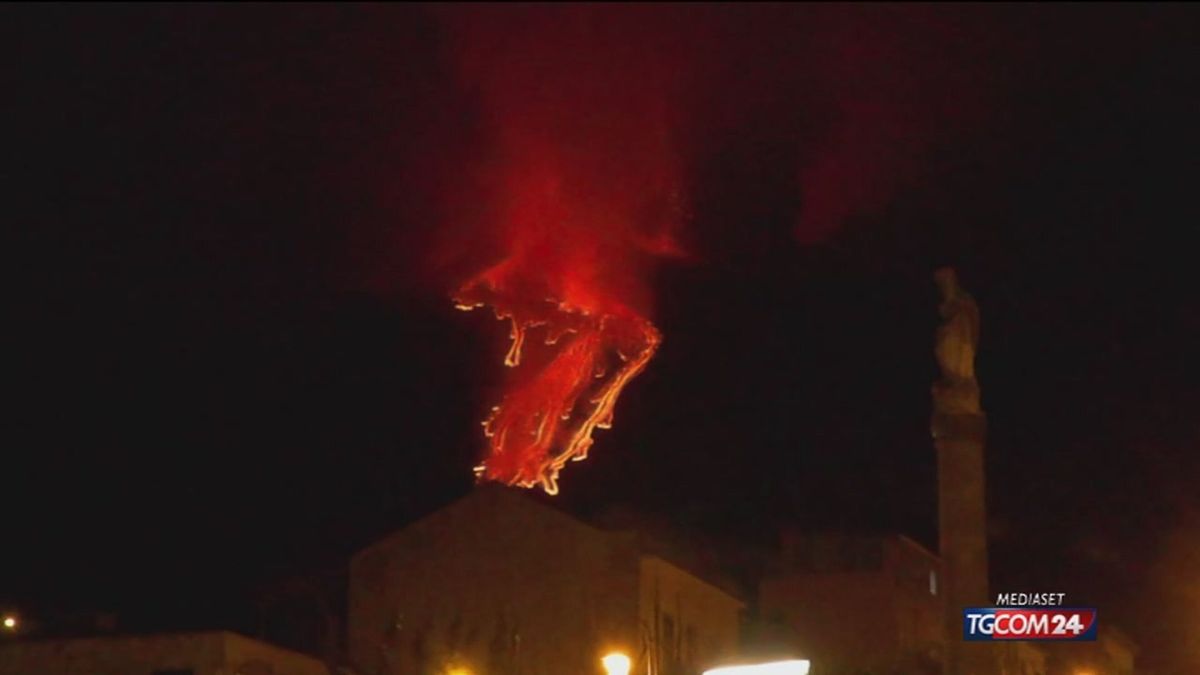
(498, 583)
(858, 604)
(871, 605)
(207, 653)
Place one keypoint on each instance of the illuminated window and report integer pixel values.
(933, 582)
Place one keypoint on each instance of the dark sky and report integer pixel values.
(234, 360)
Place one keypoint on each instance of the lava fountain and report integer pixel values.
(548, 419)
(580, 186)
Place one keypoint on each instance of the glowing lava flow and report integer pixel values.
(576, 193)
(548, 419)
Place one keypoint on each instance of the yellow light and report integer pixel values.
(793, 667)
(10, 622)
(616, 663)
(459, 671)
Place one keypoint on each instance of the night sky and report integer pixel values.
(236, 358)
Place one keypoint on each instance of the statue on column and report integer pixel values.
(957, 392)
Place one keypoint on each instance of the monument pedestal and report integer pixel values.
(962, 534)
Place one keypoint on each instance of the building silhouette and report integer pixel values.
(204, 653)
(500, 583)
(857, 604)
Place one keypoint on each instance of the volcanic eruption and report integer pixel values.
(586, 118)
(598, 344)
(582, 196)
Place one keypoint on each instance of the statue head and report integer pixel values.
(947, 281)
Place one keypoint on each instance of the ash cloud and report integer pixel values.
(576, 179)
(655, 118)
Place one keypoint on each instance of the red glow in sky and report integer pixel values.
(583, 193)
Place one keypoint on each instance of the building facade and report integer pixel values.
(498, 583)
(1112, 653)
(858, 604)
(208, 653)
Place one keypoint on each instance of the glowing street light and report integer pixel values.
(10, 622)
(616, 663)
(793, 667)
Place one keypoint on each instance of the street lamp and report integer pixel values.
(10, 622)
(616, 663)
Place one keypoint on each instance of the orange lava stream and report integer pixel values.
(548, 419)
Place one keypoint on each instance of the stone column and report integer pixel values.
(959, 429)
(962, 536)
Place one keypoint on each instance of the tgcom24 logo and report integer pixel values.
(1029, 623)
